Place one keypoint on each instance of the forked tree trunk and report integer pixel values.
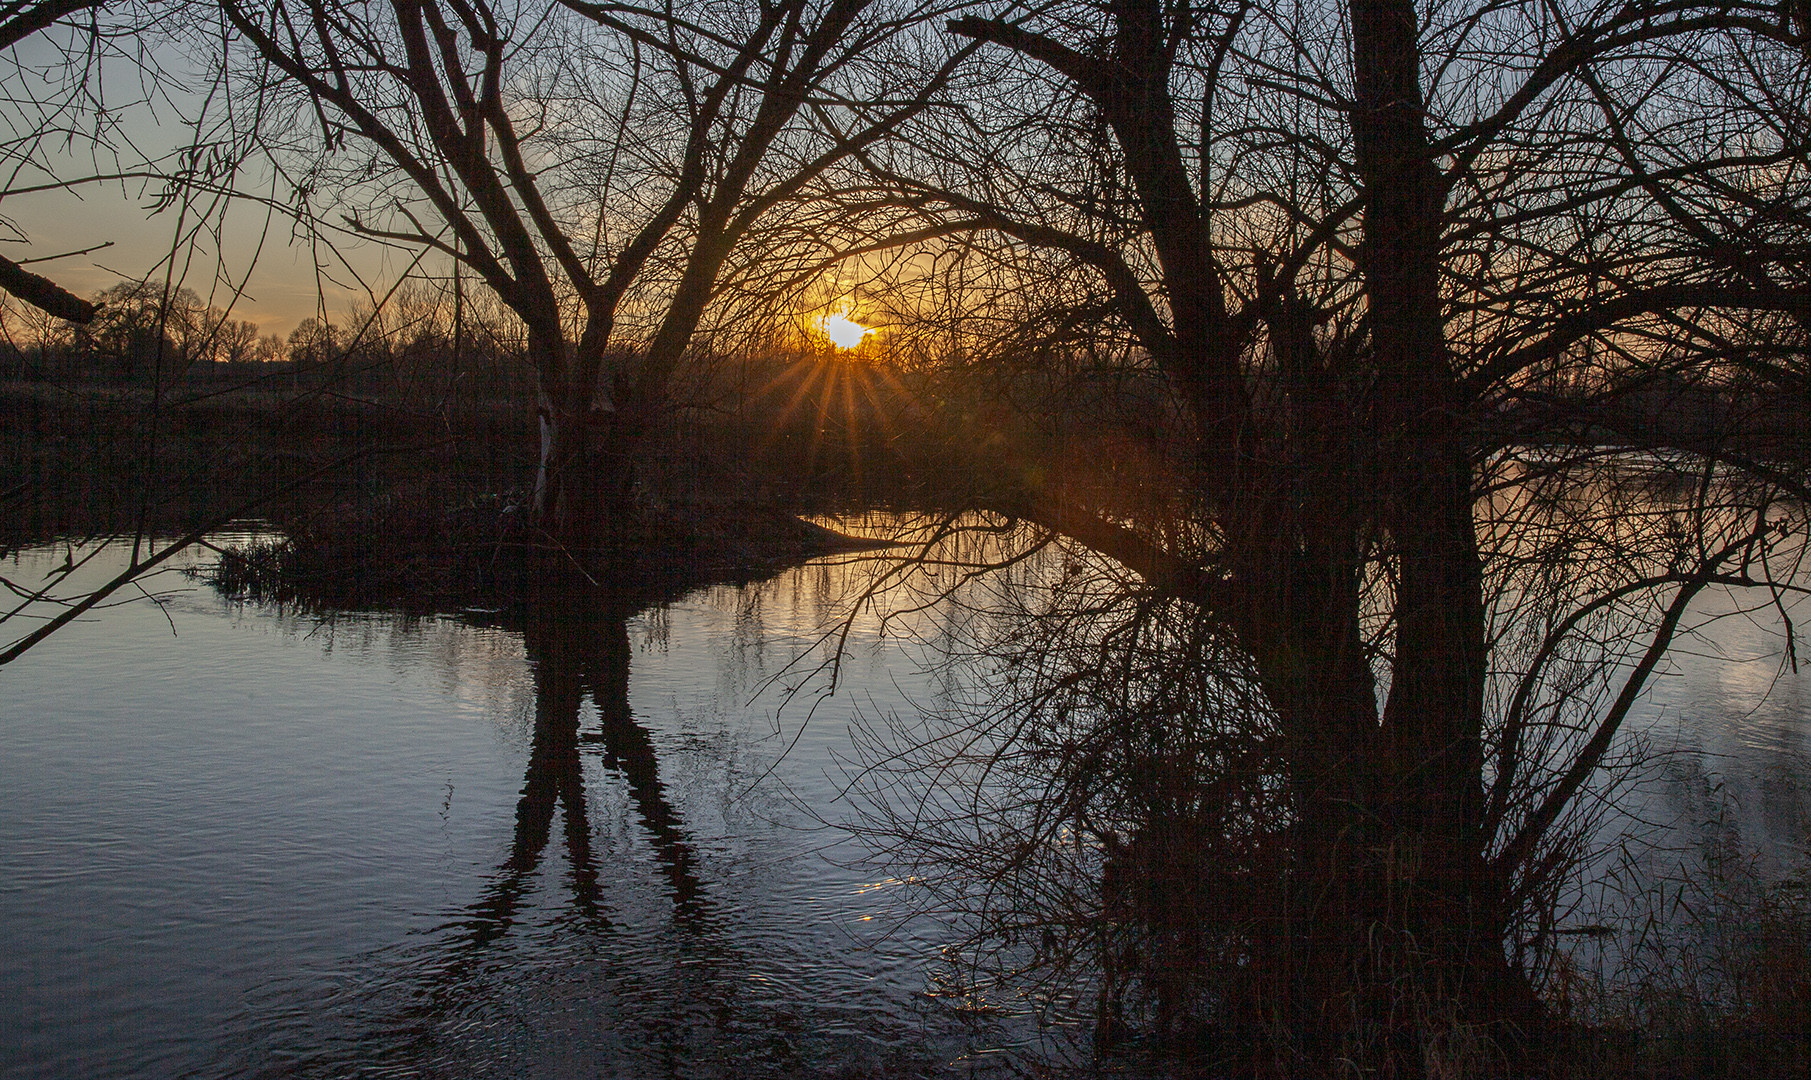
(1401, 918)
(1389, 925)
(584, 481)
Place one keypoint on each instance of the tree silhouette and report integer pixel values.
(595, 165)
(1357, 266)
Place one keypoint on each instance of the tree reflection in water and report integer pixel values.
(577, 641)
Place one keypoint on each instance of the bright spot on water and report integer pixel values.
(846, 333)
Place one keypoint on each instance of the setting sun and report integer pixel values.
(842, 330)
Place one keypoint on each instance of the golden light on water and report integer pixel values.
(842, 330)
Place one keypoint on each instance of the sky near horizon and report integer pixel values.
(99, 230)
(243, 257)
(248, 261)
(277, 281)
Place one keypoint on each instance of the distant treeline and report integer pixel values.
(417, 342)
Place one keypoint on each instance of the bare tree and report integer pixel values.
(1356, 245)
(595, 165)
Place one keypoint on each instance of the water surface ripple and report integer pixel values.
(267, 844)
(241, 841)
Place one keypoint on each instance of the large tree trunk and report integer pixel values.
(584, 482)
(1391, 926)
(1413, 897)
(1298, 613)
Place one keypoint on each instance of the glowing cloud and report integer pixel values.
(846, 333)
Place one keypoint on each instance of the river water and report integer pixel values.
(241, 840)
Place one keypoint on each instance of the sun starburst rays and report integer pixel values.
(829, 401)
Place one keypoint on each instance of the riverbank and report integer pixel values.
(419, 555)
(412, 493)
